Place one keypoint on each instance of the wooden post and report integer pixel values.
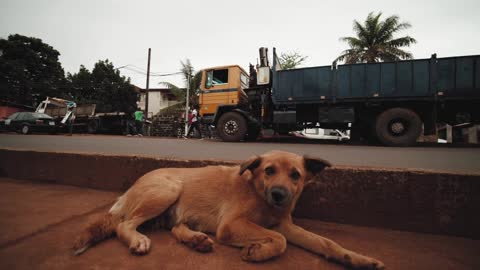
(148, 84)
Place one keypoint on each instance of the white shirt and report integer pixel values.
(194, 113)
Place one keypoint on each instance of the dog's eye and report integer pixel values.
(295, 175)
(269, 171)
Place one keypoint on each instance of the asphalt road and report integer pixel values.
(450, 159)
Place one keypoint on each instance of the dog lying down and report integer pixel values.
(247, 206)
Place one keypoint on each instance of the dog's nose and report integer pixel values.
(279, 195)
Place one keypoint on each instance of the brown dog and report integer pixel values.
(247, 206)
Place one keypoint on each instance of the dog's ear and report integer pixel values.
(250, 164)
(315, 165)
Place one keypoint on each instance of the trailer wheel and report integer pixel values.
(398, 127)
(92, 126)
(232, 127)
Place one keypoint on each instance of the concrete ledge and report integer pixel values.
(433, 202)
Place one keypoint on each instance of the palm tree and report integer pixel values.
(375, 41)
(193, 81)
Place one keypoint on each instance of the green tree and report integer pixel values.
(29, 70)
(104, 86)
(375, 41)
(291, 60)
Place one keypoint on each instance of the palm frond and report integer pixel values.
(375, 41)
(401, 42)
(177, 91)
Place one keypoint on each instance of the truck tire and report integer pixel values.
(232, 127)
(398, 127)
(92, 126)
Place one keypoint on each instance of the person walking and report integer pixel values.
(195, 123)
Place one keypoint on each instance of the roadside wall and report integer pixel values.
(432, 202)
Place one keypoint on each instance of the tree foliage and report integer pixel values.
(103, 86)
(191, 78)
(291, 60)
(29, 70)
(375, 41)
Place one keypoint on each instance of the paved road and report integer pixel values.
(430, 158)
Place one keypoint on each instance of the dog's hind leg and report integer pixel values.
(196, 240)
(143, 201)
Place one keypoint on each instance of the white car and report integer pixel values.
(325, 134)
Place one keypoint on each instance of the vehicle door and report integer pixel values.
(21, 119)
(9, 122)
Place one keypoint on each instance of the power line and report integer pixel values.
(153, 75)
(142, 71)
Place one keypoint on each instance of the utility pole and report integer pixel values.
(186, 108)
(148, 84)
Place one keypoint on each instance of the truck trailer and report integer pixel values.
(390, 102)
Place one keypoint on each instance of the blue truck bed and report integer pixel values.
(452, 77)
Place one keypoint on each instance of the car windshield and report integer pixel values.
(41, 115)
(13, 116)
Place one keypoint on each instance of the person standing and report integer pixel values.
(195, 123)
(71, 122)
(139, 122)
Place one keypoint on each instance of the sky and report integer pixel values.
(220, 32)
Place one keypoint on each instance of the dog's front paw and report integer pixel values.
(251, 252)
(200, 242)
(139, 245)
(363, 262)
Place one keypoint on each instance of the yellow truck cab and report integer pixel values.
(222, 86)
(224, 103)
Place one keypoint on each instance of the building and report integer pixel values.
(158, 99)
(8, 108)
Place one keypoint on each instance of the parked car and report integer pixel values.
(27, 122)
(325, 134)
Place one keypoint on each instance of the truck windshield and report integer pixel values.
(244, 80)
(216, 77)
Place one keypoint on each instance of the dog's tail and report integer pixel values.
(95, 232)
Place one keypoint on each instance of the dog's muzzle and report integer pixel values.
(278, 196)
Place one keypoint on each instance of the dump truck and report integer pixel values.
(85, 117)
(389, 102)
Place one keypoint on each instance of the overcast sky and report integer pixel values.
(214, 33)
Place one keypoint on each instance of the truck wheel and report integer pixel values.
(252, 134)
(398, 127)
(92, 126)
(25, 129)
(232, 127)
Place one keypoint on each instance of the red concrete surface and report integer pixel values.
(38, 222)
(29, 207)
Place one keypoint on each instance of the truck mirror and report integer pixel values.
(263, 75)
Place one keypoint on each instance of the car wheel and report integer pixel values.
(25, 129)
(398, 127)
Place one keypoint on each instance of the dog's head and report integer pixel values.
(279, 177)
